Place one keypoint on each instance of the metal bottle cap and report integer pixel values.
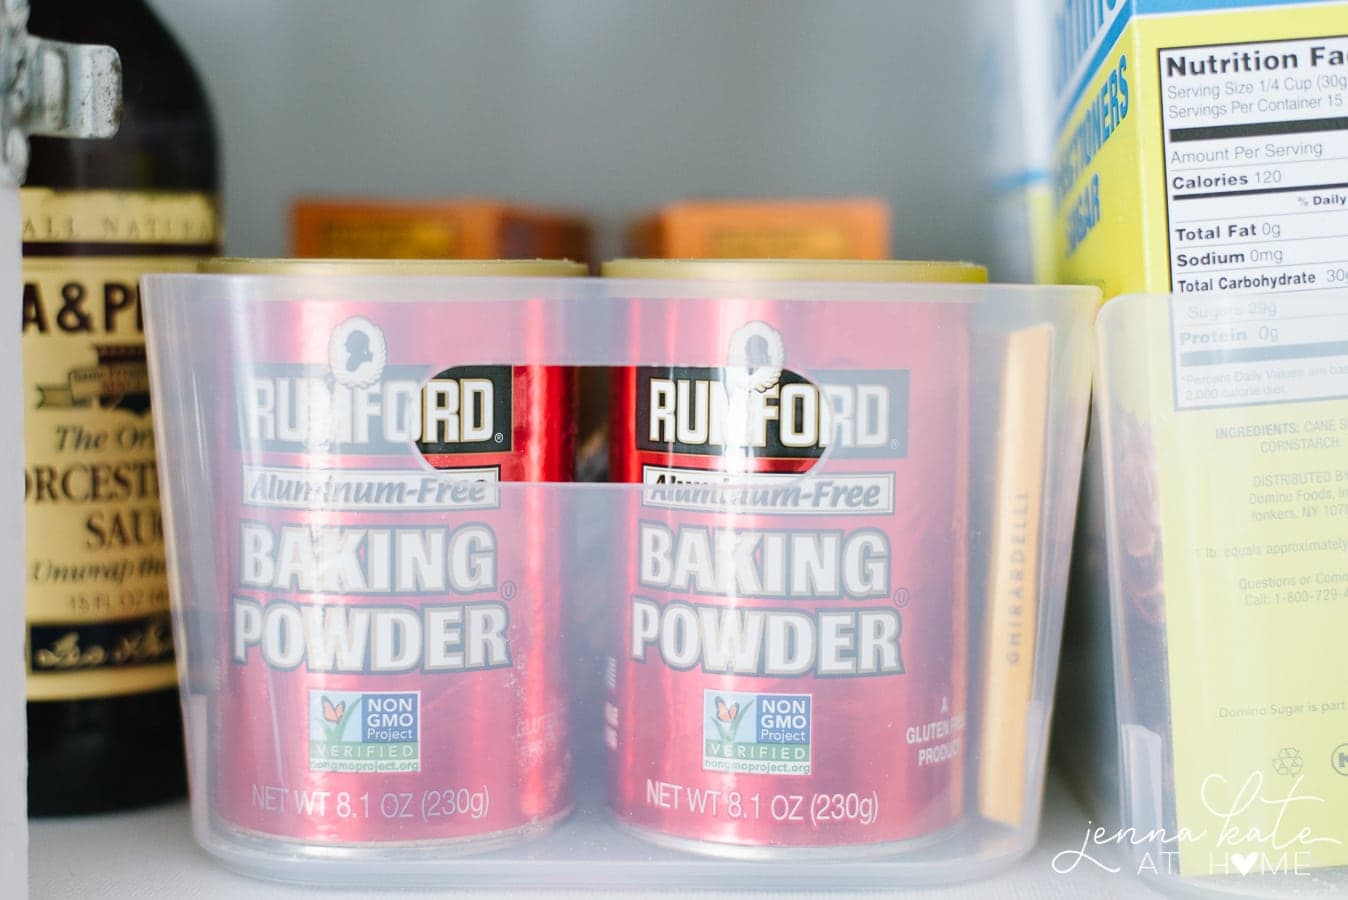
(51, 88)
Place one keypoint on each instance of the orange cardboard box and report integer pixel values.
(856, 228)
(466, 229)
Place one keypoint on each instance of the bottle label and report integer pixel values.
(96, 586)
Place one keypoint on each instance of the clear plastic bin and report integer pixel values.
(831, 670)
(1223, 424)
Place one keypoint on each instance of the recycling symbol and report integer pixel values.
(1288, 761)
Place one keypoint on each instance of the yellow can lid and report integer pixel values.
(797, 270)
(326, 268)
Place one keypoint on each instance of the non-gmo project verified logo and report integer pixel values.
(766, 734)
(351, 731)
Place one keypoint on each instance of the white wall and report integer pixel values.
(608, 105)
(13, 749)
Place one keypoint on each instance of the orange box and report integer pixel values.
(460, 229)
(856, 228)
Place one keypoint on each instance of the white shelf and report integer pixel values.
(150, 854)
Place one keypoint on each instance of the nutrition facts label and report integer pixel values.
(1243, 351)
(1256, 166)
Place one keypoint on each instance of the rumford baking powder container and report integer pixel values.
(1224, 423)
(342, 570)
(361, 467)
(807, 638)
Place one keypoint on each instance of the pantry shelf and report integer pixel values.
(150, 854)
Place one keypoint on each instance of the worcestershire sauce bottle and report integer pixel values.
(104, 729)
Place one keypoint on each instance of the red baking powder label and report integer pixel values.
(789, 670)
(388, 673)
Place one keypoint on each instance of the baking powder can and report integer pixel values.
(388, 670)
(788, 672)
